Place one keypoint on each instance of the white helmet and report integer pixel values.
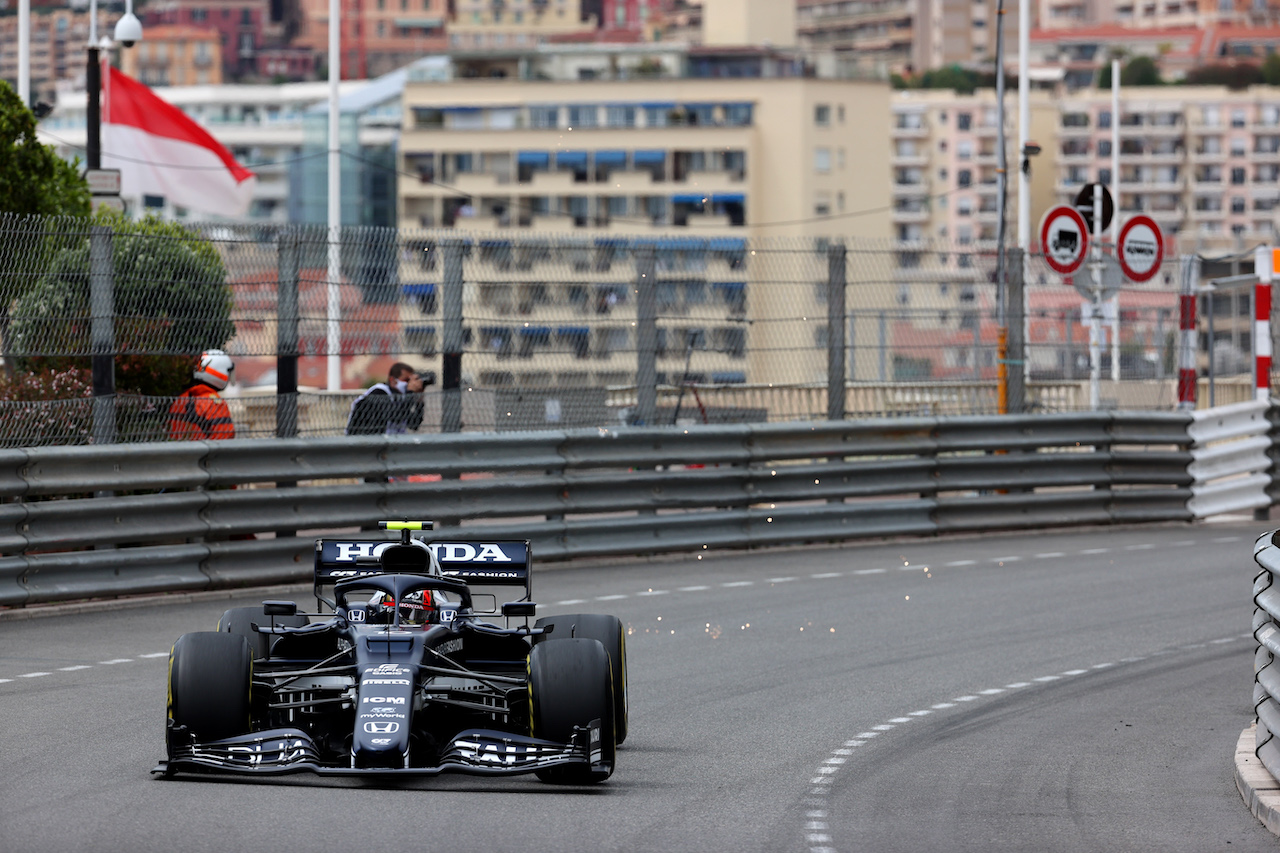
(215, 368)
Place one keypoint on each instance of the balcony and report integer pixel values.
(911, 217)
(1198, 215)
(900, 132)
(909, 160)
(1208, 156)
(916, 188)
(1264, 156)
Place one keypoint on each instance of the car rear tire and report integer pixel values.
(240, 620)
(569, 685)
(609, 631)
(209, 678)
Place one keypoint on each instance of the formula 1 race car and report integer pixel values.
(400, 674)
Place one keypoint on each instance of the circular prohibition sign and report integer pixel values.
(1064, 238)
(1140, 248)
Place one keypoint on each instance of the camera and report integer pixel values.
(128, 30)
(428, 377)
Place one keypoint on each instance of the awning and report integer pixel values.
(419, 23)
(461, 109)
(611, 158)
(611, 242)
(571, 158)
(535, 332)
(419, 330)
(689, 198)
(572, 331)
(495, 244)
(676, 244)
(533, 158)
(734, 378)
(657, 105)
(730, 288)
(729, 198)
(418, 289)
(727, 244)
(649, 157)
(495, 332)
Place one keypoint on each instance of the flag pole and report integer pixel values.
(24, 52)
(334, 342)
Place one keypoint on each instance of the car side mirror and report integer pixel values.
(519, 608)
(279, 608)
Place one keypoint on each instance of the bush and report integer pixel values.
(48, 407)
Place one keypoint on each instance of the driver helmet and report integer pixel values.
(417, 609)
(215, 368)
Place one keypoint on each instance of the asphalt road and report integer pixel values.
(1057, 692)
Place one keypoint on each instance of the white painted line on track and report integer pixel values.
(1102, 665)
(76, 668)
(991, 691)
(962, 563)
(1049, 554)
(1017, 685)
(732, 584)
(569, 601)
(610, 597)
(780, 580)
(1010, 559)
(1096, 551)
(866, 735)
(965, 698)
(899, 719)
(825, 575)
(34, 674)
(115, 661)
(694, 588)
(1044, 679)
(1221, 539)
(870, 571)
(1148, 546)
(882, 728)
(1075, 672)
(923, 712)
(652, 592)
(155, 655)
(942, 705)
(1182, 543)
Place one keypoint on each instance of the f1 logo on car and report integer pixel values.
(381, 728)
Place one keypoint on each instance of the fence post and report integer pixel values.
(102, 333)
(1015, 351)
(451, 340)
(835, 332)
(1187, 335)
(287, 333)
(646, 412)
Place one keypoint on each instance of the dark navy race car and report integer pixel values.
(413, 667)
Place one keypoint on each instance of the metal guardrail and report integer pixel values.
(86, 522)
(1266, 630)
(1231, 458)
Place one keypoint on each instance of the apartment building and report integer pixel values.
(378, 36)
(882, 37)
(59, 37)
(175, 56)
(564, 166)
(1156, 14)
(1204, 162)
(478, 24)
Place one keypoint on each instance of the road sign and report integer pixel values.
(1110, 280)
(103, 181)
(1141, 248)
(1063, 238)
(1084, 204)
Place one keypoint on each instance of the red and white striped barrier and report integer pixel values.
(1187, 344)
(1264, 266)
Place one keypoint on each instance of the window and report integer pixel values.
(822, 160)
(1238, 147)
(1237, 205)
(544, 117)
(822, 115)
(584, 116)
(620, 116)
(964, 178)
(737, 115)
(1104, 148)
(964, 121)
(1237, 118)
(964, 150)
(1237, 176)
(1104, 121)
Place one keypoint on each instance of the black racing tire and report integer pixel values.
(609, 631)
(209, 684)
(240, 620)
(570, 685)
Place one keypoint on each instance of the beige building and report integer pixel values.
(515, 23)
(882, 37)
(175, 56)
(1203, 161)
(737, 143)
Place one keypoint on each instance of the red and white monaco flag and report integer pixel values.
(160, 151)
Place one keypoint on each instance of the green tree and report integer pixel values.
(1271, 70)
(172, 301)
(1238, 76)
(1140, 71)
(33, 178)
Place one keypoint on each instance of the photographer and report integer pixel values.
(392, 407)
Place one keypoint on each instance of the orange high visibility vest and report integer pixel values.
(199, 414)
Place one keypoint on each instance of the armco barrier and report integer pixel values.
(1230, 458)
(82, 522)
(1266, 630)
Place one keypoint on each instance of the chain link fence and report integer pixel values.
(558, 331)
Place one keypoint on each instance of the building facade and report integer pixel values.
(175, 56)
(59, 37)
